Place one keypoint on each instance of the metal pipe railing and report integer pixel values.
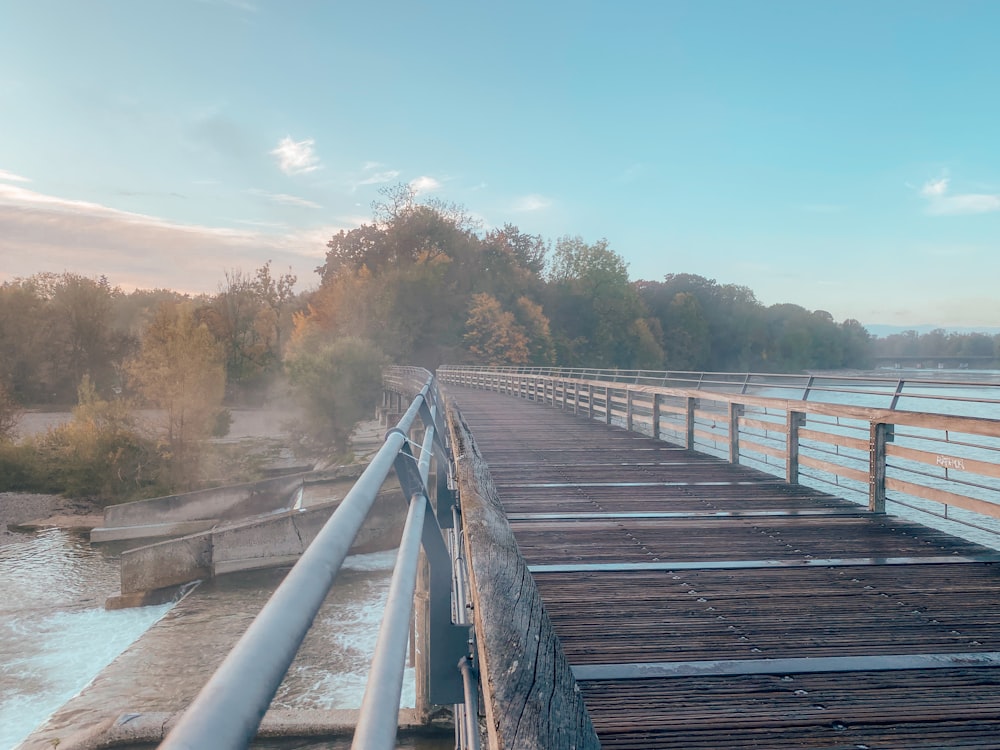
(229, 708)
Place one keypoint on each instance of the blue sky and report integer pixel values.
(838, 155)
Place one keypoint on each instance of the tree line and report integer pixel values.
(418, 284)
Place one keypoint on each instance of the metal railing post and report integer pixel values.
(689, 424)
(735, 412)
(879, 435)
(793, 421)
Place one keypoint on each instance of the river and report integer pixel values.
(55, 635)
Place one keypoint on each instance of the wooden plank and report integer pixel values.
(844, 441)
(713, 437)
(843, 471)
(531, 698)
(770, 450)
(944, 497)
(944, 461)
(760, 424)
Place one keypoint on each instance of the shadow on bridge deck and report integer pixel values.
(707, 605)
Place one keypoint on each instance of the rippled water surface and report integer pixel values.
(55, 636)
(54, 632)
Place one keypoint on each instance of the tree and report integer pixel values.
(180, 370)
(336, 384)
(10, 414)
(492, 334)
(595, 307)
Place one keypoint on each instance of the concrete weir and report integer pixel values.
(285, 514)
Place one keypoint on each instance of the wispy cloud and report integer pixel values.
(379, 177)
(48, 233)
(424, 184)
(632, 173)
(296, 157)
(6, 176)
(941, 202)
(935, 188)
(246, 7)
(284, 199)
(532, 202)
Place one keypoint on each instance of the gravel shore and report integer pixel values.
(22, 507)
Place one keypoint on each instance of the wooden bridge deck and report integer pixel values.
(706, 605)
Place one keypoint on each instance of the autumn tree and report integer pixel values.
(493, 335)
(180, 370)
(10, 414)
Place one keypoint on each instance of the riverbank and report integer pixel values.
(26, 511)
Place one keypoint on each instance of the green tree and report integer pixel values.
(335, 384)
(594, 306)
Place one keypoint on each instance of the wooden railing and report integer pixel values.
(945, 464)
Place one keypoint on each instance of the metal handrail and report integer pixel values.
(870, 390)
(228, 710)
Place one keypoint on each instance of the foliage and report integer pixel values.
(249, 317)
(100, 453)
(10, 415)
(179, 369)
(336, 384)
(596, 308)
(493, 335)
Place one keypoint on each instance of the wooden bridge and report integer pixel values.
(699, 603)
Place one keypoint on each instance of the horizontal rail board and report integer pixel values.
(944, 461)
(770, 450)
(832, 468)
(831, 438)
(944, 497)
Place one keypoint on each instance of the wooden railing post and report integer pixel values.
(607, 404)
(656, 416)
(735, 412)
(879, 435)
(793, 421)
(628, 409)
(576, 397)
(590, 400)
(689, 424)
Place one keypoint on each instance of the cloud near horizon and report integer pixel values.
(942, 203)
(6, 176)
(296, 157)
(41, 233)
(532, 202)
(424, 184)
